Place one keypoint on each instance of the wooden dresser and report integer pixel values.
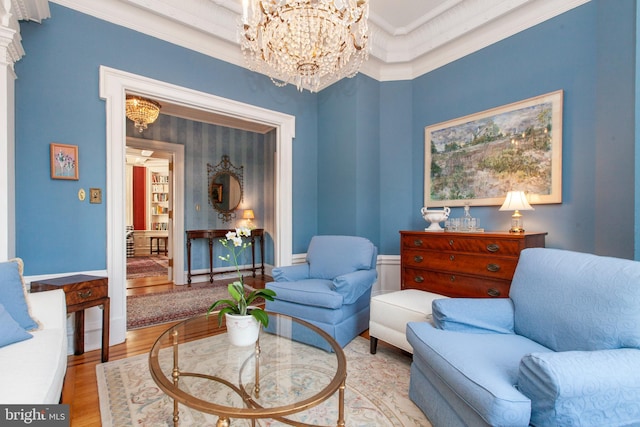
(456, 264)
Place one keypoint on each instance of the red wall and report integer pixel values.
(139, 194)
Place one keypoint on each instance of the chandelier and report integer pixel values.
(141, 111)
(309, 43)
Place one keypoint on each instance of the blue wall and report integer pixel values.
(55, 232)
(359, 151)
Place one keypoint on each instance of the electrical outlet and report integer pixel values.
(95, 195)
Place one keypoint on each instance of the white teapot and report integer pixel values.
(435, 217)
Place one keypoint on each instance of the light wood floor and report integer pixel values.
(80, 389)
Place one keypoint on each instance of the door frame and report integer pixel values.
(113, 86)
(175, 155)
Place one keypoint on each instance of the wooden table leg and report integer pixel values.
(105, 329)
(78, 339)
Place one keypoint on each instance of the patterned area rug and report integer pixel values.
(163, 307)
(376, 393)
(147, 266)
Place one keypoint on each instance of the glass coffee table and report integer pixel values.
(280, 378)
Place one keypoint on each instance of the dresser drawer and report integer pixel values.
(78, 296)
(482, 265)
(452, 242)
(454, 284)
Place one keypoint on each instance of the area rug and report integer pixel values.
(147, 266)
(376, 394)
(153, 309)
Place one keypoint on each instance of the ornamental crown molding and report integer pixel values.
(12, 11)
(447, 32)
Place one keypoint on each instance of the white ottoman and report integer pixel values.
(391, 312)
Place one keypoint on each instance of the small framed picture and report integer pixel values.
(64, 161)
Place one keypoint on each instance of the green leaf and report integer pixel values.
(261, 316)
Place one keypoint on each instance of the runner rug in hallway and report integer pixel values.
(147, 266)
(153, 309)
(376, 394)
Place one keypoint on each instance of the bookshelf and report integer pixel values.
(159, 202)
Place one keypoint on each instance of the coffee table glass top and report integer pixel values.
(277, 377)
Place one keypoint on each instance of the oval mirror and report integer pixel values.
(225, 192)
(225, 188)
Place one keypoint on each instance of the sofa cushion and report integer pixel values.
(575, 301)
(10, 331)
(310, 292)
(480, 368)
(35, 368)
(332, 256)
(12, 294)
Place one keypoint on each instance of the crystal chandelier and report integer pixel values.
(309, 43)
(141, 111)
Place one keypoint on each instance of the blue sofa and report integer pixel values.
(332, 290)
(562, 350)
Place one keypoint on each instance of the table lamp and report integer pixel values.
(516, 201)
(249, 216)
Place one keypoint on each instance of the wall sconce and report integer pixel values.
(248, 216)
(516, 201)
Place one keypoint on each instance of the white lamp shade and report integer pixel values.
(516, 201)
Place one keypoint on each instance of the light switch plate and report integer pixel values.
(95, 195)
(81, 195)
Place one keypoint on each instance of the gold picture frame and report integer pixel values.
(478, 158)
(64, 161)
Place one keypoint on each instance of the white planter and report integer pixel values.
(242, 330)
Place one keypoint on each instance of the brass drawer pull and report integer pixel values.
(85, 294)
(418, 258)
(451, 242)
(452, 278)
(417, 242)
(493, 247)
(493, 292)
(493, 267)
(452, 257)
(418, 279)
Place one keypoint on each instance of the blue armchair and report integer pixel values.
(562, 350)
(332, 290)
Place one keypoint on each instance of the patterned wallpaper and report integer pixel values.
(206, 144)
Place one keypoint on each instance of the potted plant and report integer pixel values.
(243, 320)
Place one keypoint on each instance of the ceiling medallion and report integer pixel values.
(308, 43)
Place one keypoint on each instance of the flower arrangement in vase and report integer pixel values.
(239, 313)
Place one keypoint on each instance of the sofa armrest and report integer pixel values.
(582, 387)
(291, 273)
(474, 315)
(353, 285)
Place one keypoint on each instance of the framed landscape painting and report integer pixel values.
(64, 161)
(478, 158)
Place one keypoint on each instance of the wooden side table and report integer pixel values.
(82, 292)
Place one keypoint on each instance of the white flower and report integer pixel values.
(230, 235)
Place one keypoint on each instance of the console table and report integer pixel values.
(218, 234)
(81, 292)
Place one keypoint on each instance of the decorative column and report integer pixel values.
(10, 52)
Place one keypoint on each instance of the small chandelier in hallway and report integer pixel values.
(141, 111)
(309, 43)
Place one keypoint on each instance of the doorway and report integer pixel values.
(148, 211)
(113, 86)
